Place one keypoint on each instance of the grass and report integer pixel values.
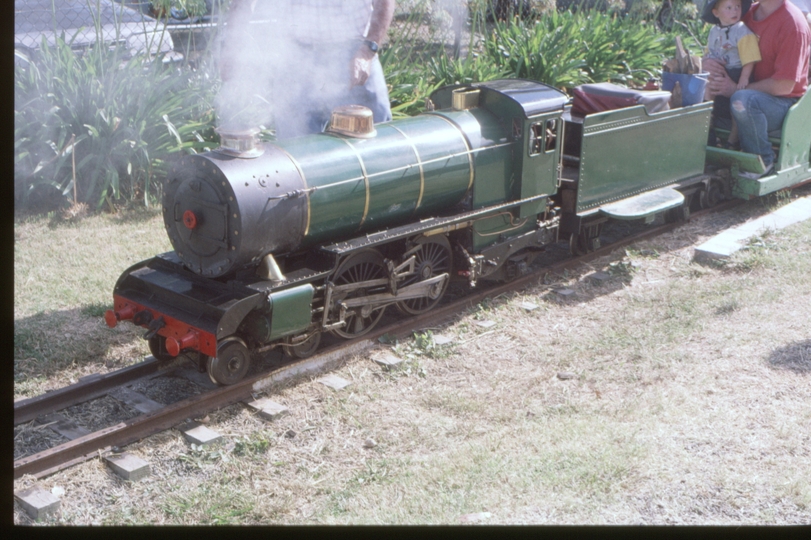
(64, 274)
(688, 407)
(79, 261)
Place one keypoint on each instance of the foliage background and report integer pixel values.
(97, 127)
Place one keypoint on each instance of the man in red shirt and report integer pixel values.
(780, 78)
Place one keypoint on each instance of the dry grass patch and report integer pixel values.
(689, 404)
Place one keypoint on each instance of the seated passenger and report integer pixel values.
(732, 43)
(780, 78)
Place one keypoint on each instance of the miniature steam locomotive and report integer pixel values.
(276, 244)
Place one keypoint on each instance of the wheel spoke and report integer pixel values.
(362, 266)
(433, 259)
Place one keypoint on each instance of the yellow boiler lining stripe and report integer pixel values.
(464, 139)
(419, 163)
(306, 191)
(365, 181)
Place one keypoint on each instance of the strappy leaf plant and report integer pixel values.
(105, 119)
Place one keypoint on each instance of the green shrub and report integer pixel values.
(192, 8)
(565, 49)
(592, 5)
(108, 120)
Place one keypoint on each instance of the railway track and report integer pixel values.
(155, 417)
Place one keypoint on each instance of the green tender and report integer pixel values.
(628, 151)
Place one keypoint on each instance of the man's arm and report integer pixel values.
(378, 28)
(381, 19)
(775, 87)
(724, 86)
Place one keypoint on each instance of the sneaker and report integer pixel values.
(756, 176)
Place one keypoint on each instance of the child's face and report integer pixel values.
(727, 11)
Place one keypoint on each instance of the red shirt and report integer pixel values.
(784, 44)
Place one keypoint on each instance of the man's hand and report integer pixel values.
(360, 66)
(719, 83)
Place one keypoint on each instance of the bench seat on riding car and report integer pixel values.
(792, 145)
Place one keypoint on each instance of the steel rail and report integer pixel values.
(86, 389)
(139, 427)
(97, 443)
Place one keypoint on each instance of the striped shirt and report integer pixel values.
(316, 21)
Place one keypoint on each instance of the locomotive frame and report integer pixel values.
(279, 244)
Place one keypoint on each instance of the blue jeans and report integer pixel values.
(758, 113)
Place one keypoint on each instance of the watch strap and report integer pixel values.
(373, 46)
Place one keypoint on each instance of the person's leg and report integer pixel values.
(721, 118)
(756, 114)
(328, 88)
(722, 106)
(305, 91)
(732, 140)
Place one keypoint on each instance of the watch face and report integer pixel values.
(372, 45)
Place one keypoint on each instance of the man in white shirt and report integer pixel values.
(805, 7)
(306, 57)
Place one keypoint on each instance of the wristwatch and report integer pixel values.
(373, 46)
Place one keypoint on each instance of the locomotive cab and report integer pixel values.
(523, 156)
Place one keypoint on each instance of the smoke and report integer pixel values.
(247, 64)
(276, 73)
(274, 68)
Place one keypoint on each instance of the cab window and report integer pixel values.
(543, 136)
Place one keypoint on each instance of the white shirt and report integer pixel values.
(317, 21)
(804, 5)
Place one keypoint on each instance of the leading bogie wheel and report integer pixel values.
(231, 363)
(433, 259)
(306, 348)
(712, 194)
(361, 266)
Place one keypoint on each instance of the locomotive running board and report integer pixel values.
(428, 226)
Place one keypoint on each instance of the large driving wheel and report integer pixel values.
(231, 363)
(433, 259)
(362, 266)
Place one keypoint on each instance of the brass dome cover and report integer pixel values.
(353, 121)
